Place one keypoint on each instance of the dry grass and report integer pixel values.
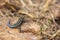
(41, 20)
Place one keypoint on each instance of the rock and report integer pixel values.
(30, 27)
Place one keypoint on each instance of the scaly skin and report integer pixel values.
(18, 23)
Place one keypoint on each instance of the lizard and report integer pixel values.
(18, 23)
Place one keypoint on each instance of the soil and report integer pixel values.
(41, 19)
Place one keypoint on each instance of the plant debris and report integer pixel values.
(41, 20)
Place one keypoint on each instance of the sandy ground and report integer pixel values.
(41, 21)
